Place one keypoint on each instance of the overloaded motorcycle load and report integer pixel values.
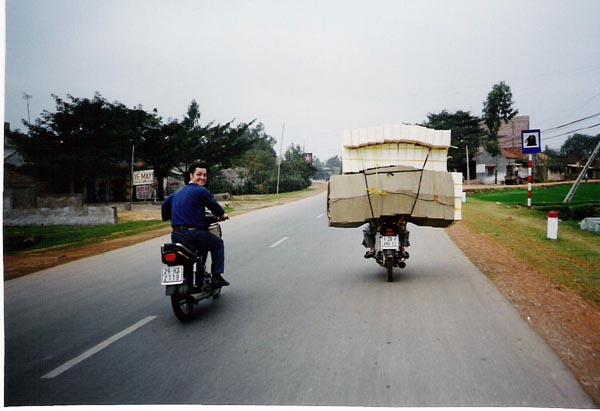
(395, 170)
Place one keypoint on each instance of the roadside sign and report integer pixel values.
(143, 192)
(143, 177)
(531, 141)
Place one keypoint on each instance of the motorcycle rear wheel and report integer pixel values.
(389, 266)
(183, 306)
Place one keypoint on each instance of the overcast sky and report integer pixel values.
(319, 66)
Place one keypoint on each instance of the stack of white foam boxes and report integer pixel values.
(395, 170)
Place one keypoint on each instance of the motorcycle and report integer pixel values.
(185, 277)
(390, 243)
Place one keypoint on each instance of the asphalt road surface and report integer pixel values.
(306, 321)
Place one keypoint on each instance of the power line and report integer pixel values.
(572, 131)
(562, 126)
(571, 123)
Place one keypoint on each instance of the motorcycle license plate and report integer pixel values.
(171, 275)
(389, 242)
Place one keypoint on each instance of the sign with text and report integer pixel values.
(144, 192)
(531, 141)
(143, 177)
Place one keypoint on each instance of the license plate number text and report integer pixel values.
(171, 275)
(389, 242)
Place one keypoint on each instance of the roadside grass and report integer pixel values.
(543, 194)
(273, 198)
(18, 239)
(573, 260)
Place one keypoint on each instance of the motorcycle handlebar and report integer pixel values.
(213, 218)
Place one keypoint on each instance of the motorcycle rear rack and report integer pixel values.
(180, 250)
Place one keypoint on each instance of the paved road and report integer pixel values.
(307, 321)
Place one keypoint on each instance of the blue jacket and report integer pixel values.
(187, 206)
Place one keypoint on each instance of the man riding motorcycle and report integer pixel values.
(186, 210)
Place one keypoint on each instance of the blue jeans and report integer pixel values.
(203, 240)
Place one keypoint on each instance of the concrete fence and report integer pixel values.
(82, 216)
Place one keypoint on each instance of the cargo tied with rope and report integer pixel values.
(395, 170)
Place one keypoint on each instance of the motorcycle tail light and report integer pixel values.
(389, 231)
(170, 257)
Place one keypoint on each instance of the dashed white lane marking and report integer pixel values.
(278, 242)
(321, 215)
(71, 363)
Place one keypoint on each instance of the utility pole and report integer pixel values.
(280, 159)
(27, 97)
(467, 152)
(132, 186)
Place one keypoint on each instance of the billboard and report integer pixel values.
(142, 177)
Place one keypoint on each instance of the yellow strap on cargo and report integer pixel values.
(374, 190)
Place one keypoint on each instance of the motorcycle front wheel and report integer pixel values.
(183, 306)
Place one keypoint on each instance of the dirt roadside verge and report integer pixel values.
(568, 323)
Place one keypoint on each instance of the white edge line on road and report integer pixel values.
(278, 242)
(320, 215)
(71, 363)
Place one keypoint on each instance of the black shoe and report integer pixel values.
(369, 254)
(219, 281)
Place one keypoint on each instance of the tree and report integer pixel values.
(579, 146)
(86, 143)
(335, 164)
(551, 152)
(466, 132)
(554, 160)
(497, 108)
(320, 173)
(219, 145)
(83, 140)
(260, 159)
(295, 172)
(157, 147)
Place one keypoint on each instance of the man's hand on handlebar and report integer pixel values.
(223, 217)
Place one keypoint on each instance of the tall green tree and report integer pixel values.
(82, 139)
(466, 133)
(497, 108)
(220, 145)
(260, 159)
(157, 147)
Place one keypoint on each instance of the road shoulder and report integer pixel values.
(569, 324)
